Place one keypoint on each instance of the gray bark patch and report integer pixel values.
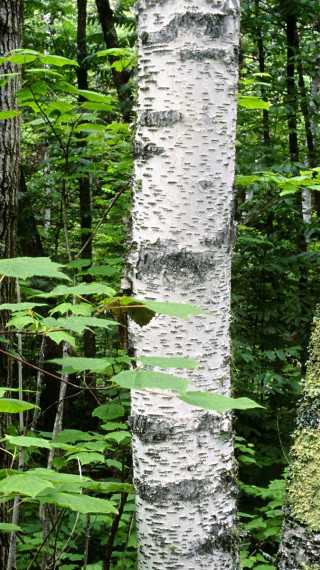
(160, 118)
(201, 24)
(190, 490)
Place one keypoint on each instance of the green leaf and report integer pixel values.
(79, 364)
(21, 58)
(10, 527)
(24, 484)
(20, 306)
(62, 336)
(25, 267)
(8, 114)
(85, 504)
(94, 96)
(81, 289)
(118, 436)
(167, 362)
(12, 406)
(217, 402)
(86, 457)
(84, 309)
(57, 60)
(108, 412)
(25, 441)
(41, 71)
(148, 379)
(179, 310)
(250, 102)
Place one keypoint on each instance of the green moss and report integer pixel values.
(312, 381)
(304, 493)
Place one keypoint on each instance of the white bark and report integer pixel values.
(182, 241)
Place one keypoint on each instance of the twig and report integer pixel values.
(102, 220)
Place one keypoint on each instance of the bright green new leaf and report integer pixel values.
(12, 406)
(217, 402)
(25, 267)
(40, 71)
(21, 58)
(24, 484)
(148, 379)
(250, 102)
(94, 96)
(167, 361)
(57, 60)
(8, 114)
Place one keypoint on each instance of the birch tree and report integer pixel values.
(182, 242)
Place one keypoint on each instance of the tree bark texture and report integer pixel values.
(120, 78)
(10, 38)
(300, 543)
(182, 226)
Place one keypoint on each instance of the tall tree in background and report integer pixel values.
(10, 39)
(182, 245)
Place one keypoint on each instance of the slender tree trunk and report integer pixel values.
(120, 78)
(265, 112)
(300, 542)
(292, 101)
(182, 241)
(84, 183)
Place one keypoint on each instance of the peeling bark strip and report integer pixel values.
(182, 239)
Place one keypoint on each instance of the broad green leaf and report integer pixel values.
(84, 309)
(73, 435)
(118, 436)
(85, 504)
(10, 527)
(25, 267)
(25, 441)
(180, 310)
(12, 406)
(24, 484)
(62, 336)
(57, 60)
(21, 58)
(8, 114)
(41, 71)
(108, 412)
(57, 477)
(76, 263)
(80, 364)
(81, 289)
(217, 402)
(86, 457)
(102, 270)
(106, 487)
(250, 102)
(113, 51)
(20, 306)
(94, 106)
(94, 96)
(148, 379)
(167, 362)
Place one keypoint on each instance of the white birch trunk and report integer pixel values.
(182, 242)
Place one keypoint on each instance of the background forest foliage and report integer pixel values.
(77, 155)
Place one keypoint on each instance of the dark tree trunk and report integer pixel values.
(120, 78)
(292, 101)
